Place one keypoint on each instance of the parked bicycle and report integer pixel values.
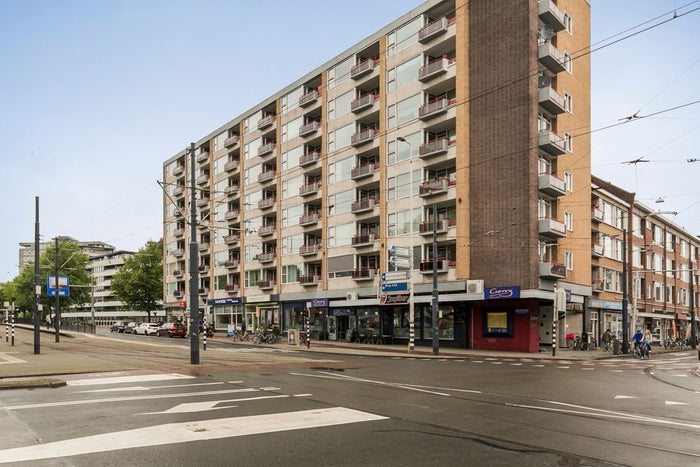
(578, 344)
(239, 336)
(262, 335)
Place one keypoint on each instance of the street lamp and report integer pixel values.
(411, 306)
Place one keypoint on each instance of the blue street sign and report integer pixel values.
(395, 287)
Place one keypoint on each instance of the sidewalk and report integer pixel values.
(21, 367)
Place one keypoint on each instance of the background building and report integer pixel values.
(449, 134)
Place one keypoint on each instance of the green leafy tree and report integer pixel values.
(139, 282)
(71, 263)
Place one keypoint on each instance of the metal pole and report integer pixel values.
(436, 308)
(7, 326)
(625, 300)
(194, 270)
(57, 313)
(92, 304)
(693, 325)
(411, 305)
(37, 287)
(13, 321)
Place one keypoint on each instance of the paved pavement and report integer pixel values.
(20, 366)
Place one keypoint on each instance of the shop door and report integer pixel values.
(332, 329)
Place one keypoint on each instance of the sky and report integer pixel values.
(95, 96)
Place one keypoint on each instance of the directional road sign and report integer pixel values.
(395, 287)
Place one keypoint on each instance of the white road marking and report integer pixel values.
(681, 376)
(127, 379)
(621, 396)
(6, 358)
(147, 388)
(177, 433)
(588, 368)
(209, 405)
(563, 367)
(127, 398)
(674, 403)
(538, 366)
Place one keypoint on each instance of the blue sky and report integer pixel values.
(95, 96)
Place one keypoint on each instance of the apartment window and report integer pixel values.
(340, 235)
(567, 62)
(568, 142)
(403, 37)
(291, 215)
(341, 137)
(669, 267)
(568, 102)
(568, 23)
(636, 225)
(683, 297)
(669, 294)
(400, 186)
(569, 260)
(658, 234)
(636, 256)
(404, 74)
(684, 248)
(398, 151)
(291, 100)
(612, 280)
(340, 72)
(569, 181)
(290, 244)
(340, 105)
(658, 291)
(403, 222)
(569, 221)
(340, 202)
(252, 278)
(340, 170)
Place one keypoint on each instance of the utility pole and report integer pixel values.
(436, 307)
(37, 287)
(693, 324)
(57, 312)
(194, 268)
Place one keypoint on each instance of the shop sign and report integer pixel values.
(257, 298)
(604, 304)
(574, 307)
(319, 303)
(225, 301)
(393, 299)
(502, 292)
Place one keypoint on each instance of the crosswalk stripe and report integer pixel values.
(200, 430)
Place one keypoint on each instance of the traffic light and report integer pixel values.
(561, 315)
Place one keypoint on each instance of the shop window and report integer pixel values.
(498, 322)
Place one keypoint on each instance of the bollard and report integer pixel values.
(616, 347)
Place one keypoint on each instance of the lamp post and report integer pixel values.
(194, 267)
(411, 306)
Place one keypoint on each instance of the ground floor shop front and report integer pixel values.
(496, 324)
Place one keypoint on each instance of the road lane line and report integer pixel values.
(127, 379)
(177, 433)
(210, 405)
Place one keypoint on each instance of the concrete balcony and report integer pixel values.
(551, 57)
(309, 219)
(266, 149)
(551, 228)
(551, 185)
(266, 122)
(551, 101)
(551, 142)
(231, 190)
(309, 159)
(309, 128)
(231, 215)
(309, 189)
(232, 239)
(309, 280)
(178, 232)
(267, 176)
(266, 230)
(362, 103)
(362, 171)
(203, 179)
(550, 14)
(432, 30)
(178, 191)
(433, 108)
(308, 98)
(364, 240)
(231, 288)
(179, 252)
(361, 69)
(598, 250)
(202, 202)
(231, 166)
(433, 69)
(267, 284)
(363, 274)
(551, 270)
(266, 203)
(433, 187)
(267, 257)
(364, 136)
(427, 227)
(231, 264)
(202, 157)
(309, 250)
(443, 266)
(433, 148)
(179, 170)
(231, 141)
(363, 205)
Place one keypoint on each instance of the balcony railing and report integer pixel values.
(434, 187)
(267, 176)
(203, 291)
(230, 166)
(443, 265)
(551, 15)
(363, 205)
(597, 214)
(364, 239)
(231, 288)
(551, 142)
(265, 230)
(178, 190)
(201, 202)
(180, 169)
(309, 219)
(232, 239)
(202, 179)
(598, 285)
(203, 157)
(178, 273)
(551, 57)
(308, 98)
(362, 171)
(310, 158)
(363, 136)
(267, 257)
(266, 149)
(432, 30)
(433, 69)
(267, 284)
(433, 148)
(204, 246)
(309, 188)
(231, 141)
(231, 190)
(432, 109)
(551, 228)
(231, 264)
(362, 103)
(266, 122)
(551, 101)
(266, 203)
(426, 227)
(362, 68)
(178, 232)
(309, 250)
(364, 274)
(597, 249)
(231, 215)
(551, 185)
(552, 270)
(179, 252)
(309, 128)
(309, 280)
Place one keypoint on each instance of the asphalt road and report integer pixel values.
(260, 406)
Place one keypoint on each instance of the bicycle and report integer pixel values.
(239, 336)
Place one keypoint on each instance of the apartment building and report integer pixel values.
(445, 138)
(642, 257)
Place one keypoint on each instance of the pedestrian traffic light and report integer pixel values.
(561, 315)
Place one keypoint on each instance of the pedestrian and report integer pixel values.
(606, 340)
(647, 339)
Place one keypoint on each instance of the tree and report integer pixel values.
(71, 263)
(139, 282)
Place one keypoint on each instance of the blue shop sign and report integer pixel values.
(502, 292)
(604, 304)
(225, 301)
(319, 303)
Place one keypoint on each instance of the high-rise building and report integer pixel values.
(453, 137)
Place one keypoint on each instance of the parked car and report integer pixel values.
(146, 329)
(118, 326)
(172, 330)
(129, 328)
